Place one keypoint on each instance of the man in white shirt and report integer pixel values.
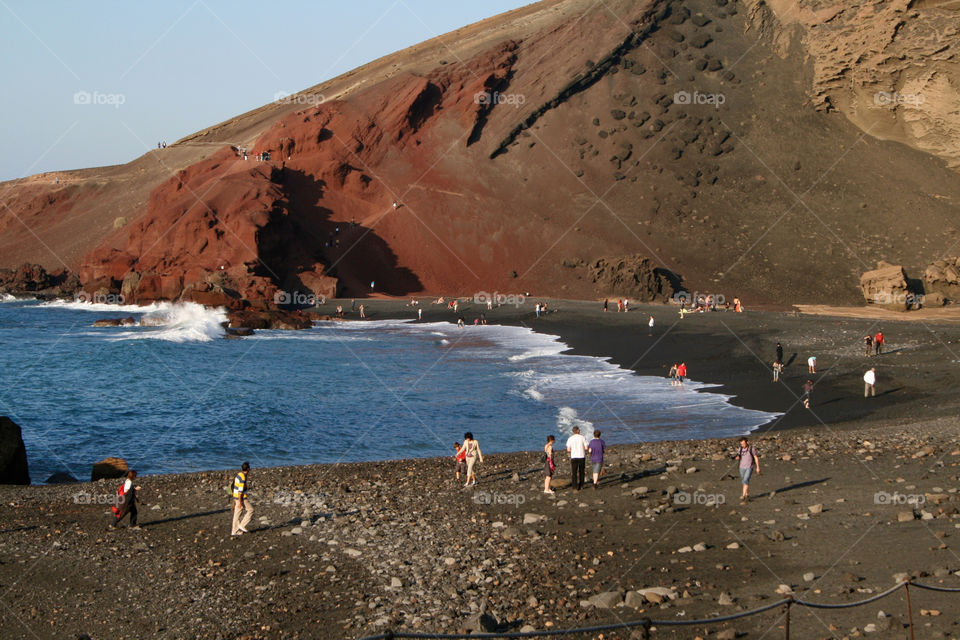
(577, 448)
(869, 380)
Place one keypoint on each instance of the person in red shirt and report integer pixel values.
(681, 372)
(460, 459)
(878, 343)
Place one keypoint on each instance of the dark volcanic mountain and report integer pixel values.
(771, 150)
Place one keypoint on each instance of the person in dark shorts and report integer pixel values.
(548, 464)
(461, 460)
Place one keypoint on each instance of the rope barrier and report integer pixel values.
(647, 623)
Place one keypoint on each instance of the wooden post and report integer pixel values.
(787, 625)
(906, 587)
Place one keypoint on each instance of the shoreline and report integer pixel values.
(721, 350)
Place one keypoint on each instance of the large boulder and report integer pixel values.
(887, 286)
(109, 468)
(941, 281)
(635, 277)
(13, 454)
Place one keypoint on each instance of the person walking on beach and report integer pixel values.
(673, 374)
(472, 455)
(807, 390)
(812, 364)
(606, 304)
(126, 502)
(869, 382)
(777, 370)
(878, 343)
(362, 314)
(577, 448)
(242, 509)
(779, 352)
(650, 326)
(596, 448)
(419, 314)
(681, 372)
(868, 344)
(549, 466)
(747, 455)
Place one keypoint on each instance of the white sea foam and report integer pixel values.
(179, 322)
(567, 419)
(534, 393)
(6, 297)
(101, 307)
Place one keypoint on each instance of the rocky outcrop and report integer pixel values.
(635, 277)
(888, 286)
(276, 319)
(941, 281)
(13, 454)
(109, 468)
(891, 66)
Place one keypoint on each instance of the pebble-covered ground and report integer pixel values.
(352, 550)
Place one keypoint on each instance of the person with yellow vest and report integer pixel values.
(242, 509)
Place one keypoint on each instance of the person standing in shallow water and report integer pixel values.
(548, 464)
(747, 455)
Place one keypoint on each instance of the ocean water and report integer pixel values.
(171, 394)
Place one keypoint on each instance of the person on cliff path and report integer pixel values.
(459, 461)
(472, 455)
(747, 455)
(596, 448)
(242, 509)
(549, 466)
(577, 448)
(126, 502)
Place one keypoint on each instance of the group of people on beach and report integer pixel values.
(874, 347)
(677, 373)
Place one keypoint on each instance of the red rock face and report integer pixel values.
(511, 157)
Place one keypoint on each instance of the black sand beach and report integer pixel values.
(840, 509)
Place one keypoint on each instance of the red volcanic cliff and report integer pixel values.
(535, 151)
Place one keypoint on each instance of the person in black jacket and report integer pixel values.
(127, 502)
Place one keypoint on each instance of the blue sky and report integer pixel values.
(160, 70)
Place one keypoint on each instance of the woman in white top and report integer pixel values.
(471, 449)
